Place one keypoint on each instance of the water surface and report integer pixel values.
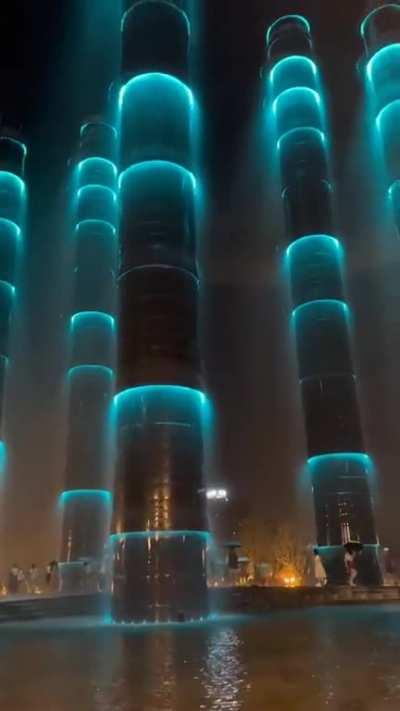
(344, 658)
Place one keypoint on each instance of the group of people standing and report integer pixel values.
(350, 563)
(34, 581)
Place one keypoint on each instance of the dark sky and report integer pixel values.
(57, 59)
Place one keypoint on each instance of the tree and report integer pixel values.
(290, 555)
(277, 545)
(256, 536)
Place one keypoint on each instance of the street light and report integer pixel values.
(217, 494)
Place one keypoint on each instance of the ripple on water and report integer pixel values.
(343, 658)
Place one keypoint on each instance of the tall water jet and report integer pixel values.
(86, 502)
(160, 529)
(12, 222)
(380, 32)
(338, 465)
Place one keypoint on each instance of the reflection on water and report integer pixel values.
(225, 674)
(142, 675)
(343, 659)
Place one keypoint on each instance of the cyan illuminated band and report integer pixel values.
(92, 338)
(95, 227)
(177, 393)
(369, 19)
(12, 198)
(295, 70)
(96, 171)
(3, 458)
(295, 98)
(86, 319)
(7, 299)
(20, 148)
(361, 457)
(390, 113)
(313, 255)
(9, 228)
(383, 62)
(283, 20)
(321, 304)
(86, 520)
(154, 81)
(91, 371)
(10, 244)
(155, 535)
(304, 242)
(96, 202)
(153, 166)
(89, 124)
(142, 3)
(394, 199)
(153, 106)
(81, 494)
(12, 184)
(322, 336)
(7, 288)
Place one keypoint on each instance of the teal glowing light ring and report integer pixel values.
(395, 187)
(13, 178)
(296, 90)
(362, 456)
(89, 123)
(140, 390)
(293, 131)
(3, 457)
(393, 105)
(89, 368)
(8, 287)
(284, 18)
(85, 493)
(121, 537)
(90, 315)
(293, 58)
(156, 75)
(379, 55)
(12, 226)
(21, 144)
(96, 223)
(375, 12)
(93, 159)
(145, 2)
(156, 164)
(302, 240)
(99, 187)
(321, 302)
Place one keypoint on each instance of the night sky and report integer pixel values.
(57, 60)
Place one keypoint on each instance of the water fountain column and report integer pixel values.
(161, 411)
(338, 464)
(380, 32)
(86, 502)
(12, 220)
